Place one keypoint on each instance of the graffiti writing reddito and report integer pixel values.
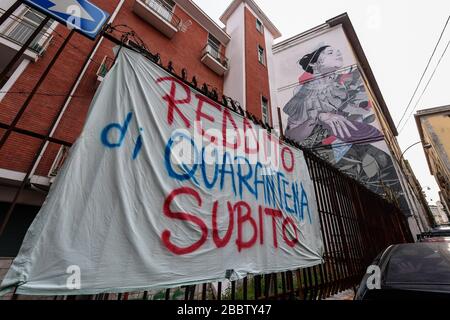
(225, 153)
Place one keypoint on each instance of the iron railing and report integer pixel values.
(105, 66)
(163, 11)
(216, 54)
(356, 225)
(17, 30)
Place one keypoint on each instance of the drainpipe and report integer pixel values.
(74, 89)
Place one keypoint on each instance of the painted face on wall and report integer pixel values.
(330, 111)
(329, 60)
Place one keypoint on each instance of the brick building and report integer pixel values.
(237, 61)
(178, 30)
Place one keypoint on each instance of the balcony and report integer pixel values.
(14, 32)
(105, 66)
(159, 15)
(60, 158)
(212, 58)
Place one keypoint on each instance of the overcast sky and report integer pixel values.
(398, 38)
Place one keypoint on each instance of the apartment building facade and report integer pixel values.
(240, 61)
(434, 130)
(439, 214)
(330, 103)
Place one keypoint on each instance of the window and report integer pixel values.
(261, 58)
(23, 28)
(213, 46)
(163, 7)
(169, 4)
(259, 26)
(5, 80)
(265, 110)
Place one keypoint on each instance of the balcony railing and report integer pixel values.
(214, 52)
(163, 11)
(58, 162)
(105, 66)
(18, 30)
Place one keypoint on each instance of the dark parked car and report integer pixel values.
(440, 231)
(436, 239)
(408, 271)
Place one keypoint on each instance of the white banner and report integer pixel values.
(166, 188)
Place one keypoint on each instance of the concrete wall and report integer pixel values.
(272, 74)
(257, 75)
(234, 85)
(436, 131)
(5, 4)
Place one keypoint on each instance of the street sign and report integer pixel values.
(80, 15)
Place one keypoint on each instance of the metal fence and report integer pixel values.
(164, 11)
(356, 225)
(215, 53)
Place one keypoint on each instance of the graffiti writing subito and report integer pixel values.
(240, 215)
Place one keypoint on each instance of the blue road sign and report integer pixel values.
(80, 15)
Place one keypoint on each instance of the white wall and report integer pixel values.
(413, 202)
(272, 74)
(5, 4)
(413, 226)
(234, 84)
(8, 85)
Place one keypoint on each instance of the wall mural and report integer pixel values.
(330, 112)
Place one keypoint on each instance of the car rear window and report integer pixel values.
(420, 263)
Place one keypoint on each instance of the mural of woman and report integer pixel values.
(331, 113)
(330, 106)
